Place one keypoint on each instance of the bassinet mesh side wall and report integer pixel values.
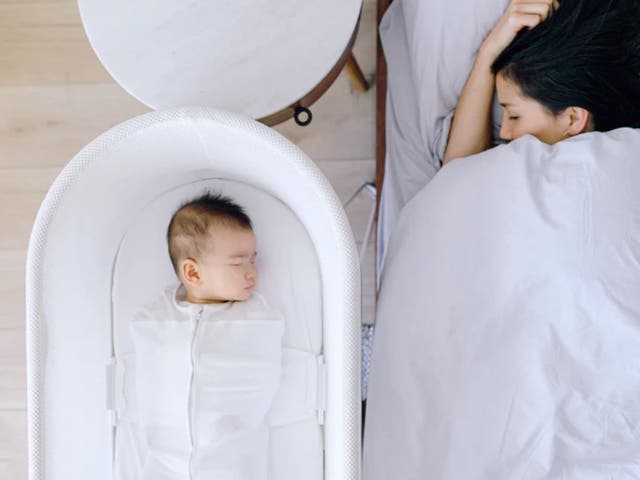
(288, 175)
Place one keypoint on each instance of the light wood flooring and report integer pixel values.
(55, 97)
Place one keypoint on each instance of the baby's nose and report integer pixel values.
(251, 274)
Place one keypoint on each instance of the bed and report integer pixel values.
(426, 51)
(97, 254)
(507, 339)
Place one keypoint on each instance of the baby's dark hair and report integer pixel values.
(587, 54)
(189, 226)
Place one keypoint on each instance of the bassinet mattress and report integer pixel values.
(290, 279)
(97, 253)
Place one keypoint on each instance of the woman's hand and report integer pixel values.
(519, 14)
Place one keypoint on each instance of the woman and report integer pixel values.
(559, 70)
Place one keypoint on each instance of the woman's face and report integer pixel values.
(523, 115)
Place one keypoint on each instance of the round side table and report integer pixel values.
(269, 59)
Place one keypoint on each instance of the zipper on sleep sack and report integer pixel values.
(198, 317)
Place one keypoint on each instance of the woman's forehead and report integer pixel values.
(510, 95)
(508, 91)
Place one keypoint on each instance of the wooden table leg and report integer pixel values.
(353, 70)
(381, 105)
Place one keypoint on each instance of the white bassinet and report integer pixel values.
(98, 253)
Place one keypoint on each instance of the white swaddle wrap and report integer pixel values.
(205, 379)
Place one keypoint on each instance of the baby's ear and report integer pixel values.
(190, 272)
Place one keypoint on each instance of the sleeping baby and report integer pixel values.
(208, 353)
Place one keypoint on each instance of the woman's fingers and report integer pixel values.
(519, 14)
(520, 20)
(543, 10)
(554, 3)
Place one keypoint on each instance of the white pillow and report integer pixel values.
(430, 47)
(443, 38)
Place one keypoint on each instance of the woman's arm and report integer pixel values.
(471, 126)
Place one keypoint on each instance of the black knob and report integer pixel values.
(302, 116)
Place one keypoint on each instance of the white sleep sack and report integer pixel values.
(205, 379)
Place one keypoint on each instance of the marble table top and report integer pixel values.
(250, 56)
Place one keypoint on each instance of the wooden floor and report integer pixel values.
(55, 97)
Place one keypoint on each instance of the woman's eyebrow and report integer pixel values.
(506, 104)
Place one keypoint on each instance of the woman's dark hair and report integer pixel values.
(587, 54)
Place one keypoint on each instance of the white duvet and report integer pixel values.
(508, 329)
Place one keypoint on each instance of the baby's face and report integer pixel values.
(227, 266)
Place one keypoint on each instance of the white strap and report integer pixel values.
(120, 388)
(302, 391)
(110, 371)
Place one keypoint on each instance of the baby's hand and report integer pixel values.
(519, 14)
